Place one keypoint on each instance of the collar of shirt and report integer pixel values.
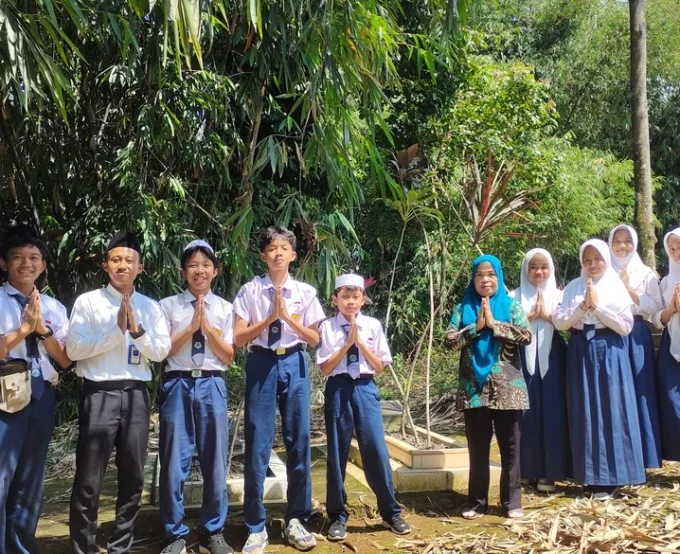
(287, 286)
(11, 291)
(189, 298)
(359, 318)
(116, 294)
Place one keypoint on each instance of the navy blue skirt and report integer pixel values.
(641, 350)
(544, 446)
(669, 400)
(604, 426)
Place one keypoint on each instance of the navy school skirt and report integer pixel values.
(602, 409)
(544, 447)
(669, 399)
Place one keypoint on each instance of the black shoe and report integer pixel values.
(214, 544)
(398, 526)
(178, 546)
(337, 531)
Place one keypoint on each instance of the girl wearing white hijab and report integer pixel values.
(668, 359)
(545, 454)
(604, 427)
(642, 283)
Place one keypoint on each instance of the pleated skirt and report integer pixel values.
(641, 351)
(544, 446)
(669, 400)
(604, 427)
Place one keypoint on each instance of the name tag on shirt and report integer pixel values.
(134, 355)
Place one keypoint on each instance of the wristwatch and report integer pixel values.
(47, 335)
(139, 333)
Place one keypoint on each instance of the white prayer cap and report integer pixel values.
(201, 243)
(349, 280)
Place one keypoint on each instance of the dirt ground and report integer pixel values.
(641, 519)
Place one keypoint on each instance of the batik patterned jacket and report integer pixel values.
(505, 389)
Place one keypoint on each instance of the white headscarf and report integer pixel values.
(527, 294)
(673, 277)
(611, 292)
(635, 267)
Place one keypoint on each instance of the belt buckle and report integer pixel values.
(280, 351)
(195, 373)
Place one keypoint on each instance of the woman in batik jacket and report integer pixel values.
(488, 328)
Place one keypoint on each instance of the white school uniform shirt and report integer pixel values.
(253, 303)
(333, 337)
(103, 352)
(54, 315)
(178, 311)
(642, 279)
(614, 306)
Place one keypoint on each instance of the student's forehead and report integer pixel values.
(198, 256)
(538, 259)
(674, 240)
(26, 249)
(278, 242)
(623, 234)
(123, 252)
(592, 252)
(485, 267)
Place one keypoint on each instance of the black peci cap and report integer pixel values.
(125, 240)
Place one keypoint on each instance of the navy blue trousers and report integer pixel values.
(355, 405)
(24, 438)
(272, 379)
(193, 416)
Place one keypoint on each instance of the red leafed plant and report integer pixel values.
(487, 199)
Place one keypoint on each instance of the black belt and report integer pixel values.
(121, 384)
(364, 377)
(638, 318)
(278, 351)
(192, 374)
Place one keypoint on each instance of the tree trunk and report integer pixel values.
(644, 218)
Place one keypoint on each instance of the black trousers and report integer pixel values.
(111, 414)
(480, 423)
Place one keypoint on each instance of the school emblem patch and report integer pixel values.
(353, 359)
(275, 329)
(197, 345)
(35, 373)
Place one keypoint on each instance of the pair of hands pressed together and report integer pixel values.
(200, 319)
(353, 334)
(675, 303)
(32, 320)
(539, 309)
(485, 317)
(591, 298)
(126, 317)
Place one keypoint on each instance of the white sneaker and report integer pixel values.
(297, 536)
(256, 543)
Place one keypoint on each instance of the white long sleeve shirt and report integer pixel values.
(102, 351)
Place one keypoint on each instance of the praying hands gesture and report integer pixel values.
(626, 281)
(485, 317)
(200, 318)
(539, 309)
(32, 314)
(591, 298)
(126, 317)
(673, 307)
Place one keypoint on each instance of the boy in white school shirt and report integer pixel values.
(352, 350)
(193, 410)
(32, 330)
(113, 333)
(277, 316)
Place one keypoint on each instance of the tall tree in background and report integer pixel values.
(644, 217)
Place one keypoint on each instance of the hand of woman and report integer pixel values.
(481, 322)
(488, 316)
(593, 295)
(624, 276)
